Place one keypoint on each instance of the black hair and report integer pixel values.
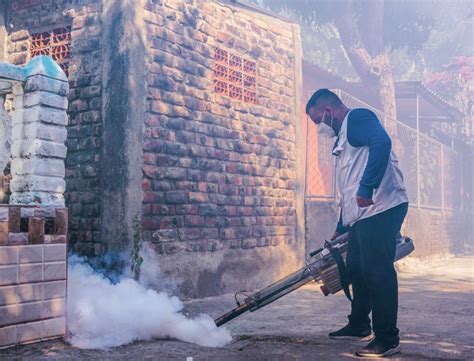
(325, 95)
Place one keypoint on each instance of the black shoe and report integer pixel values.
(352, 333)
(378, 348)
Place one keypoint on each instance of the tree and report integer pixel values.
(374, 32)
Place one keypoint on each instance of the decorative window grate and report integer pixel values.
(235, 77)
(55, 43)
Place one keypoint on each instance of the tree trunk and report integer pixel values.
(369, 59)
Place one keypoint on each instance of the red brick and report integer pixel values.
(36, 230)
(152, 197)
(231, 168)
(61, 222)
(246, 211)
(231, 210)
(3, 233)
(146, 185)
(193, 221)
(14, 219)
(198, 197)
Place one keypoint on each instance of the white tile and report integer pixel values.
(54, 327)
(8, 255)
(9, 315)
(29, 312)
(55, 289)
(54, 271)
(7, 336)
(30, 254)
(30, 292)
(54, 252)
(30, 331)
(28, 273)
(9, 295)
(54, 308)
(8, 275)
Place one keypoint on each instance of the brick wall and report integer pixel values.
(219, 173)
(84, 129)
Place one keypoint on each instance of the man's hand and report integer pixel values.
(364, 202)
(335, 235)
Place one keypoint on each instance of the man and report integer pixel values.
(373, 206)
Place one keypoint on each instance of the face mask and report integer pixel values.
(324, 129)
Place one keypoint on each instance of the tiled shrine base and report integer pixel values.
(32, 274)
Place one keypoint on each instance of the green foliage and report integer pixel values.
(136, 258)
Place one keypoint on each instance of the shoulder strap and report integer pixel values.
(341, 266)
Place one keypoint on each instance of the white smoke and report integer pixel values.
(150, 275)
(103, 315)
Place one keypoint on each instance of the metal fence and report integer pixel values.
(431, 169)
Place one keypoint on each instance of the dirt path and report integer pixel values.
(436, 321)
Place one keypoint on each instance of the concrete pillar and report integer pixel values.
(39, 133)
(123, 113)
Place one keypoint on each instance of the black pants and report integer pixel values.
(370, 257)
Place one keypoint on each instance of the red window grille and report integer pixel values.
(55, 43)
(234, 76)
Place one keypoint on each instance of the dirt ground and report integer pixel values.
(436, 322)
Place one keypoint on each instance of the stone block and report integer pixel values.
(8, 255)
(41, 197)
(39, 148)
(53, 133)
(43, 83)
(38, 166)
(36, 183)
(30, 254)
(39, 130)
(9, 295)
(30, 331)
(3, 233)
(55, 289)
(30, 292)
(36, 230)
(54, 252)
(54, 327)
(7, 336)
(3, 213)
(61, 221)
(17, 238)
(28, 273)
(14, 219)
(8, 275)
(54, 271)
(9, 314)
(54, 308)
(40, 114)
(46, 99)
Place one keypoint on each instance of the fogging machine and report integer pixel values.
(325, 265)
